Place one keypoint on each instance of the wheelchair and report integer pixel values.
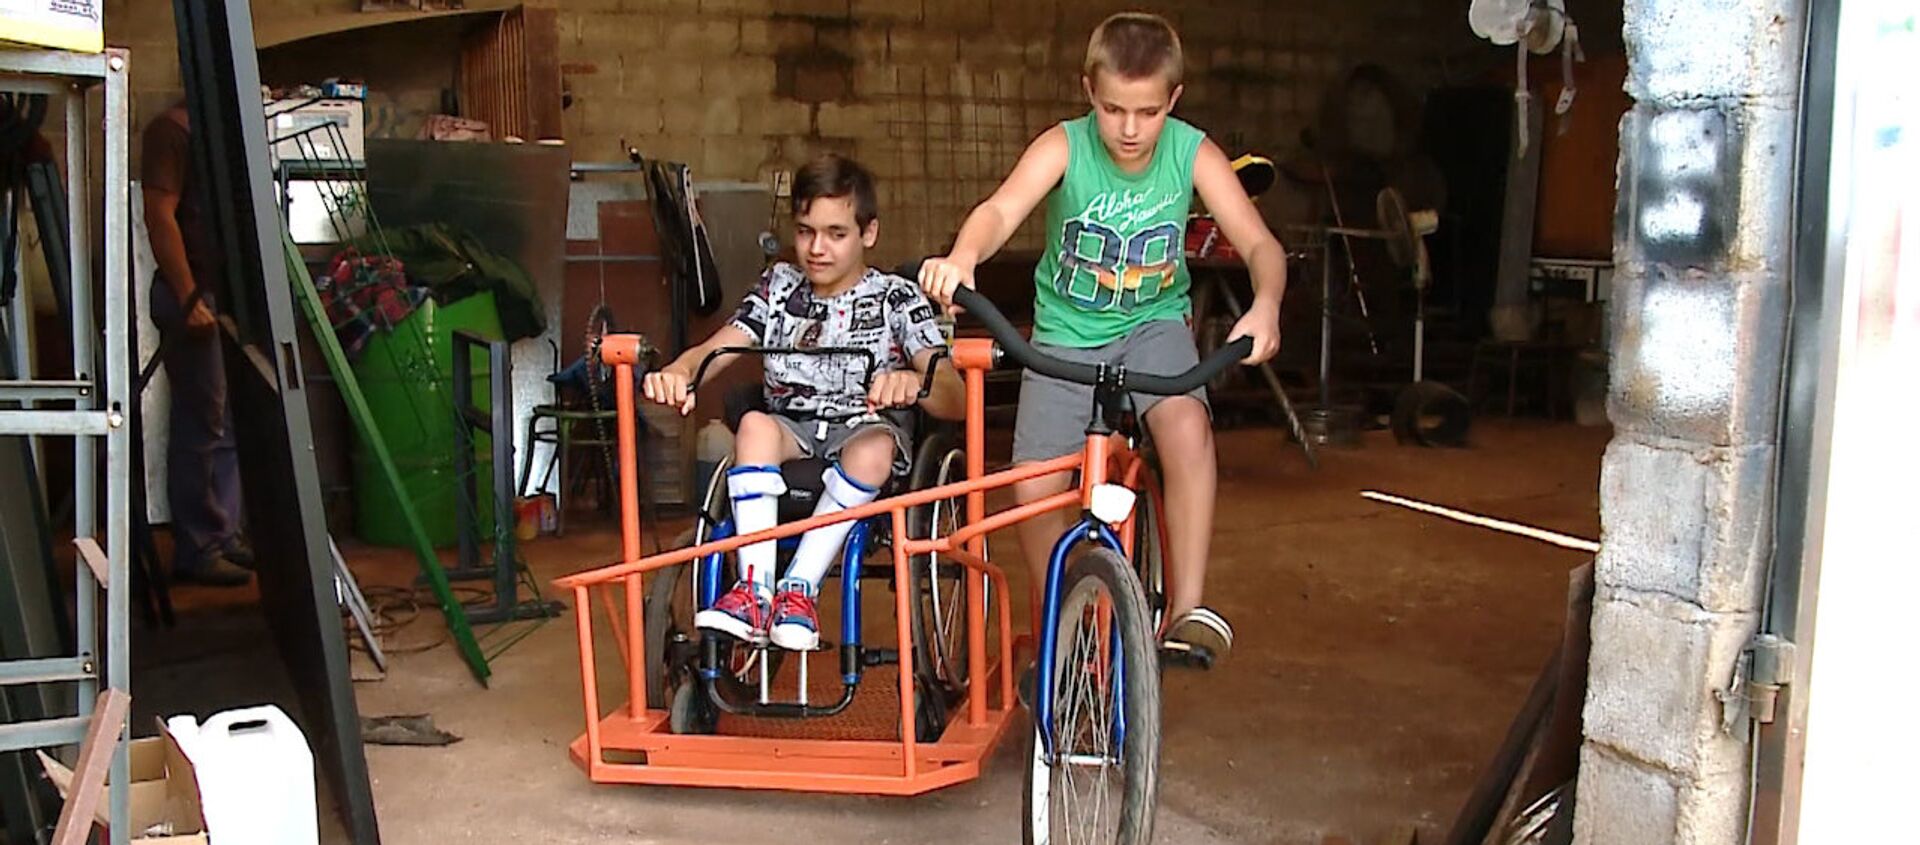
(702, 676)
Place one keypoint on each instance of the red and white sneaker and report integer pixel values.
(741, 613)
(796, 626)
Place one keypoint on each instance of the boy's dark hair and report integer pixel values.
(833, 175)
(1136, 45)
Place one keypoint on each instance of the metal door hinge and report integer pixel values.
(1764, 667)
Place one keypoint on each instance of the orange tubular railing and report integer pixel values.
(902, 767)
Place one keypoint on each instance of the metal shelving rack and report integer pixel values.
(90, 407)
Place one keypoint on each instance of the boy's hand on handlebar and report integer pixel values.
(1262, 323)
(671, 387)
(894, 389)
(940, 276)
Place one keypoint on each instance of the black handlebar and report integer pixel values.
(926, 379)
(1017, 348)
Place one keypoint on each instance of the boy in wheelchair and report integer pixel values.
(856, 321)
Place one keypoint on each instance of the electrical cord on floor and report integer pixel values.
(394, 609)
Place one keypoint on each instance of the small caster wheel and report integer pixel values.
(690, 712)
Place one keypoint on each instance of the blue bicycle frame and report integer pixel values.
(1087, 528)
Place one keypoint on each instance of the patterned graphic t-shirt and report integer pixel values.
(882, 313)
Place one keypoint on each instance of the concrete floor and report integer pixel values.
(1380, 656)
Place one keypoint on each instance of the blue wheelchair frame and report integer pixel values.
(710, 574)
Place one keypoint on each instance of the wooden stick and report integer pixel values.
(1564, 541)
(90, 774)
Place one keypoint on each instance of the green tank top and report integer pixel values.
(1115, 252)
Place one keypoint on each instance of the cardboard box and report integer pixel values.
(164, 798)
(61, 24)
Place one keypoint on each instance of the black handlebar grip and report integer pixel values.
(1033, 359)
(1016, 346)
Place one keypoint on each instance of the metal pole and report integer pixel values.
(500, 431)
(80, 293)
(1326, 323)
(118, 282)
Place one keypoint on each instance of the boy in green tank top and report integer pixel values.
(1112, 286)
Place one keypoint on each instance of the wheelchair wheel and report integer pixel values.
(691, 712)
(670, 596)
(939, 605)
(1099, 784)
(669, 627)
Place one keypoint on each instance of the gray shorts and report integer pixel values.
(823, 439)
(1053, 416)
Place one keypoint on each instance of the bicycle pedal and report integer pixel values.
(1176, 653)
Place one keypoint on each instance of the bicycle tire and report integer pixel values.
(1149, 554)
(1096, 572)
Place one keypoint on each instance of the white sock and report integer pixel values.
(819, 546)
(756, 492)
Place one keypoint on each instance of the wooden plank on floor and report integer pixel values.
(90, 775)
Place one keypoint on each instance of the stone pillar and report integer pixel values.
(1702, 234)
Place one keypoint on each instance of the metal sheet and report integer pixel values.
(515, 197)
(219, 66)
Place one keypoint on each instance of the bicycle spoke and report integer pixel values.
(1083, 737)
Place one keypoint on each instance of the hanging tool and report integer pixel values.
(1273, 381)
(1353, 275)
(1534, 27)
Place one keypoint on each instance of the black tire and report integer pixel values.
(1428, 413)
(1098, 572)
(939, 585)
(691, 711)
(668, 615)
(1149, 556)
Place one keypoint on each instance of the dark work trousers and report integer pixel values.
(203, 470)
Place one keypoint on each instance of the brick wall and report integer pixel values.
(939, 97)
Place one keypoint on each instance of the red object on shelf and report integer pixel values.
(1204, 240)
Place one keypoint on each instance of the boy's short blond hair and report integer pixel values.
(1136, 45)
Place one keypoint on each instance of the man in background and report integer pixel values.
(203, 473)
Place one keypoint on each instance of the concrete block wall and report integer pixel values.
(939, 97)
(1700, 310)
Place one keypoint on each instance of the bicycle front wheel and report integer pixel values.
(1100, 782)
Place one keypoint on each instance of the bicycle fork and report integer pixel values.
(1087, 528)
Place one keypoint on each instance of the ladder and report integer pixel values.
(90, 407)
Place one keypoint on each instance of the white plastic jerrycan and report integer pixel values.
(255, 774)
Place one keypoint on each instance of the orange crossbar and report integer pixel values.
(892, 504)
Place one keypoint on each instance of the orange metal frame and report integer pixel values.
(638, 731)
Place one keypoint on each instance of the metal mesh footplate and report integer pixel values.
(873, 715)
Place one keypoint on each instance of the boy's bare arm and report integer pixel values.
(992, 222)
(672, 384)
(1227, 201)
